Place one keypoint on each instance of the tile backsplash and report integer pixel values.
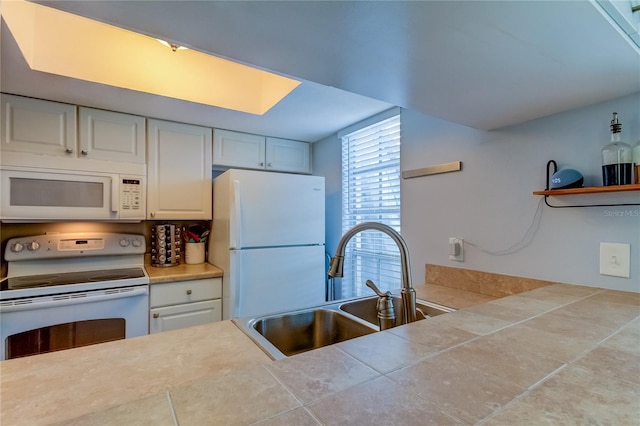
(487, 283)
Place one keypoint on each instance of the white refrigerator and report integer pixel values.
(267, 236)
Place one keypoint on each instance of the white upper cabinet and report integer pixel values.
(243, 150)
(38, 127)
(236, 149)
(35, 126)
(288, 156)
(178, 171)
(112, 136)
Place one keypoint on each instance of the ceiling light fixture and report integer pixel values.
(62, 43)
(171, 46)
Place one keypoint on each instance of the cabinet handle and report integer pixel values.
(189, 292)
(83, 152)
(68, 151)
(156, 315)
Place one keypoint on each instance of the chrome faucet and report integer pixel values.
(407, 293)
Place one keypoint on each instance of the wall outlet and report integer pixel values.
(456, 249)
(615, 259)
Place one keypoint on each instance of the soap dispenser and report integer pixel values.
(617, 163)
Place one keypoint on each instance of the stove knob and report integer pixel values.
(33, 246)
(124, 243)
(137, 243)
(17, 248)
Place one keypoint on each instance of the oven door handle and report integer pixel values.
(71, 299)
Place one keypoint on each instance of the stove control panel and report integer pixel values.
(75, 244)
(58, 245)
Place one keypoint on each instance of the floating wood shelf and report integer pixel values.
(589, 190)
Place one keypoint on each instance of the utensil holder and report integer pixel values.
(194, 253)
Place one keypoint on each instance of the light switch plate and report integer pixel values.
(615, 259)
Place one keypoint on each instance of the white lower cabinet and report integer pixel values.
(184, 304)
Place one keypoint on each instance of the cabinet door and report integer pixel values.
(235, 149)
(187, 315)
(112, 136)
(178, 171)
(288, 156)
(37, 126)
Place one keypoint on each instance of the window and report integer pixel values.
(371, 193)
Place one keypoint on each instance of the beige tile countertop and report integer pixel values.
(181, 272)
(560, 355)
(452, 297)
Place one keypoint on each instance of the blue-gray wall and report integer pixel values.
(490, 202)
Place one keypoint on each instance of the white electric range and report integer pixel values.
(67, 290)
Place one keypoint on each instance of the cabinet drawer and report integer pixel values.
(185, 292)
(187, 315)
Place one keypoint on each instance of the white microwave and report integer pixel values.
(29, 195)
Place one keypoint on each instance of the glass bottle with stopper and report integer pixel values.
(636, 162)
(617, 164)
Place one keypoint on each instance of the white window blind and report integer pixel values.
(371, 193)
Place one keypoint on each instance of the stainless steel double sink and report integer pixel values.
(285, 334)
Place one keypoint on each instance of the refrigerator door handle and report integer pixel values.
(236, 229)
(238, 309)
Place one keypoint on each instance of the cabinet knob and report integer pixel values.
(189, 292)
(262, 164)
(269, 164)
(156, 315)
(152, 214)
(83, 152)
(68, 151)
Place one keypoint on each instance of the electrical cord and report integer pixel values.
(524, 242)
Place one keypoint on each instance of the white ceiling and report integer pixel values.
(484, 64)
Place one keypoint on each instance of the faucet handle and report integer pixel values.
(376, 290)
(386, 312)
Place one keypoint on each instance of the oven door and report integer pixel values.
(51, 323)
(29, 195)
